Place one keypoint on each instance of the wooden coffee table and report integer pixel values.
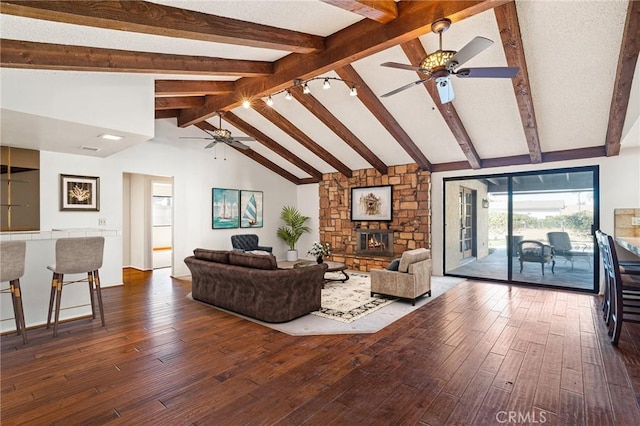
(332, 267)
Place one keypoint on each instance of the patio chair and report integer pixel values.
(535, 251)
(562, 246)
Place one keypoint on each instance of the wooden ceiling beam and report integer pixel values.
(33, 55)
(179, 102)
(193, 87)
(167, 113)
(156, 19)
(323, 114)
(271, 144)
(289, 128)
(259, 158)
(507, 18)
(375, 106)
(415, 53)
(355, 42)
(547, 157)
(381, 11)
(275, 168)
(627, 61)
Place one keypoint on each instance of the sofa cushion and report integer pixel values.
(393, 265)
(413, 256)
(255, 261)
(218, 256)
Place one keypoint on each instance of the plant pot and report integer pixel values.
(292, 255)
(319, 259)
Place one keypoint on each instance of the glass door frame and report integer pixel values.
(595, 170)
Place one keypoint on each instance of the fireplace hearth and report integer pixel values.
(374, 242)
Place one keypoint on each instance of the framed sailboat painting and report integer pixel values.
(224, 208)
(250, 209)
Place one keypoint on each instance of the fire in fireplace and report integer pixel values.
(375, 241)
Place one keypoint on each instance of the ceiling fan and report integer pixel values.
(442, 64)
(221, 135)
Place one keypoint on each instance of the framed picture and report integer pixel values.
(224, 208)
(371, 203)
(79, 193)
(251, 209)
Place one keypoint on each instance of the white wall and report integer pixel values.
(619, 188)
(194, 171)
(309, 205)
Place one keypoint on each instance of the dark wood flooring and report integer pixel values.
(482, 353)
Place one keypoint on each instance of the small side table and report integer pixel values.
(332, 267)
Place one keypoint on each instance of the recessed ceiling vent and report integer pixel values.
(90, 148)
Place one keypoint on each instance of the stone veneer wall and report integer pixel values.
(411, 218)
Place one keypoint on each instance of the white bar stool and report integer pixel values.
(76, 256)
(12, 255)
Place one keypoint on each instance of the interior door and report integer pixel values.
(466, 222)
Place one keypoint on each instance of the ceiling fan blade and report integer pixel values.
(194, 137)
(471, 49)
(243, 138)
(489, 72)
(237, 144)
(211, 144)
(404, 67)
(405, 87)
(445, 90)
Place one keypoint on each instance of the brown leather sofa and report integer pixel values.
(252, 284)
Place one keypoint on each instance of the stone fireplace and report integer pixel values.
(374, 242)
(408, 229)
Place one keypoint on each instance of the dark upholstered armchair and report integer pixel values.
(535, 251)
(247, 242)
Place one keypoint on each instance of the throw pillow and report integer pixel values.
(218, 256)
(393, 265)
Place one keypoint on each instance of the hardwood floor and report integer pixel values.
(482, 354)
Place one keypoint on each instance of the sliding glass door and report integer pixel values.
(534, 227)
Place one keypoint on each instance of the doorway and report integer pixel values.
(147, 235)
(162, 223)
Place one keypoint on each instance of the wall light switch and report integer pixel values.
(102, 222)
(635, 221)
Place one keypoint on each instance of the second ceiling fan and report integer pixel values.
(442, 64)
(222, 135)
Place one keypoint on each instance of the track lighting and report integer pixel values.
(326, 84)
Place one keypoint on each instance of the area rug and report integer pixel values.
(350, 300)
(311, 325)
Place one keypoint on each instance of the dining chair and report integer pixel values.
(12, 257)
(76, 256)
(623, 292)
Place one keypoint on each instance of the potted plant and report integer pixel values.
(319, 250)
(293, 231)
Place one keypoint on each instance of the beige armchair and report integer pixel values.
(410, 281)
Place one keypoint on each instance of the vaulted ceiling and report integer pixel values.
(576, 93)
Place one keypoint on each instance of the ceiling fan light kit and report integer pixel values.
(441, 64)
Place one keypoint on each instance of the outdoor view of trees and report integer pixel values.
(578, 225)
